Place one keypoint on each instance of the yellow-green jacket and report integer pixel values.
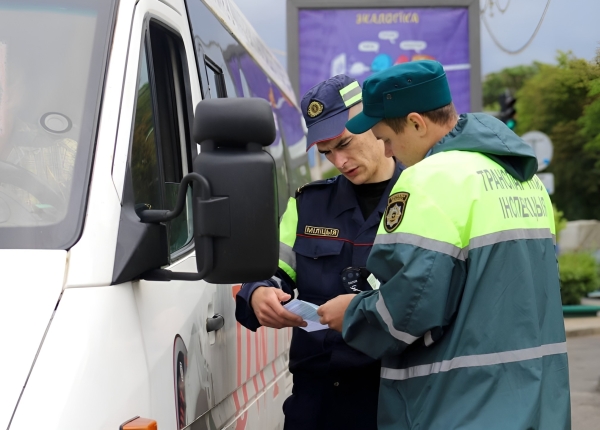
(468, 319)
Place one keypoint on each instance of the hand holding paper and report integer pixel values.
(266, 303)
(308, 312)
(332, 312)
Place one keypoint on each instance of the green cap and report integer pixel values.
(418, 86)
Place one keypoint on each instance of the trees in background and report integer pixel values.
(511, 78)
(563, 101)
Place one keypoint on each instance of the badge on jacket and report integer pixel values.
(394, 212)
(321, 231)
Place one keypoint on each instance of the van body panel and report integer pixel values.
(142, 348)
(254, 405)
(30, 285)
(99, 235)
(91, 372)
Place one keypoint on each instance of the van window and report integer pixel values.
(216, 78)
(53, 55)
(160, 149)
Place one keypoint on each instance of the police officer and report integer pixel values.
(468, 320)
(326, 234)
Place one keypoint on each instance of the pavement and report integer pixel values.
(584, 375)
(583, 348)
(582, 326)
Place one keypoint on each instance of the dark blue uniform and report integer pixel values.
(335, 386)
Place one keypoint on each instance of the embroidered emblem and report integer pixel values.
(321, 231)
(315, 108)
(394, 212)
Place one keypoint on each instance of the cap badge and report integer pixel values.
(315, 108)
(394, 212)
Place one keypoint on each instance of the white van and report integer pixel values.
(108, 110)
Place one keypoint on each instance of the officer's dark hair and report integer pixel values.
(439, 116)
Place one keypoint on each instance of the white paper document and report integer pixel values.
(308, 312)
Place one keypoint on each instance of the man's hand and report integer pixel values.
(332, 312)
(266, 303)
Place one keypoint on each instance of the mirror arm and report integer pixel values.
(153, 216)
(164, 275)
(213, 211)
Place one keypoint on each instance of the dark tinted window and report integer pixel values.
(160, 151)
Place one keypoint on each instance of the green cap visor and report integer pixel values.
(361, 123)
(418, 86)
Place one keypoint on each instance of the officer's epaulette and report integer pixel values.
(319, 183)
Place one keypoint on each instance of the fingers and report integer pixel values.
(282, 296)
(321, 310)
(266, 303)
(330, 315)
(285, 317)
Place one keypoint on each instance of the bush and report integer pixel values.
(578, 276)
(330, 173)
(560, 222)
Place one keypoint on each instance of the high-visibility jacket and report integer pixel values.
(323, 232)
(468, 319)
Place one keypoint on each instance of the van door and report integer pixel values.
(188, 369)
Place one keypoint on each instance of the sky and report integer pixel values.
(569, 25)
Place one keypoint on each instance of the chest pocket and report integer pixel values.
(319, 263)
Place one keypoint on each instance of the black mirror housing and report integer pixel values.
(236, 230)
(243, 227)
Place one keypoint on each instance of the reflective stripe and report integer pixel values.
(277, 281)
(349, 88)
(387, 319)
(289, 223)
(287, 238)
(351, 94)
(475, 361)
(287, 269)
(506, 235)
(354, 99)
(428, 339)
(287, 255)
(421, 242)
(474, 243)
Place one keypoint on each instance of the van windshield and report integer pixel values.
(52, 64)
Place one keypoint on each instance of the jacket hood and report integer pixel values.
(478, 132)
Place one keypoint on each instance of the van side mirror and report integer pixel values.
(234, 202)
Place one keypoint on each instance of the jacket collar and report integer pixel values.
(384, 198)
(344, 198)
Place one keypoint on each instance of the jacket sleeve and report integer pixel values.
(422, 271)
(285, 277)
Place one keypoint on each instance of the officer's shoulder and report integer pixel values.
(316, 185)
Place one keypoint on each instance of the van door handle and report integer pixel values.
(215, 323)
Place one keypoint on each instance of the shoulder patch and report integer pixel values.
(394, 212)
(321, 182)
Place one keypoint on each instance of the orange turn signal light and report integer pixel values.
(139, 423)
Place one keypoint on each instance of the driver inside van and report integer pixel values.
(326, 234)
(36, 160)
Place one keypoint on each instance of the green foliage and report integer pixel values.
(330, 173)
(512, 78)
(578, 276)
(590, 122)
(560, 222)
(563, 101)
(557, 94)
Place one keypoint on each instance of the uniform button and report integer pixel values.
(336, 384)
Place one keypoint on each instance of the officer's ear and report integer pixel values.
(416, 124)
